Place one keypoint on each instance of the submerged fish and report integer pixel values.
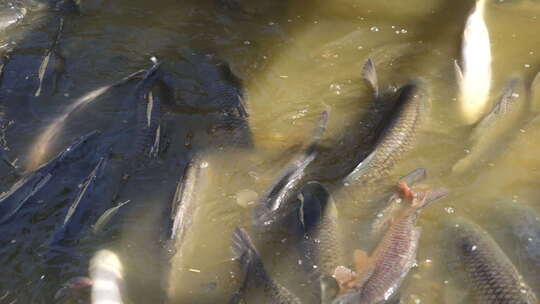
(185, 202)
(48, 136)
(492, 276)
(82, 211)
(10, 14)
(278, 201)
(29, 185)
(147, 129)
(321, 241)
(380, 275)
(75, 290)
(396, 139)
(257, 286)
(53, 65)
(474, 73)
(106, 217)
(490, 131)
(519, 224)
(107, 274)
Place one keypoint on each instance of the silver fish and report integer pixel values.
(53, 65)
(106, 217)
(474, 74)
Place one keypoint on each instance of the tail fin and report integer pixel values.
(369, 73)
(426, 198)
(244, 250)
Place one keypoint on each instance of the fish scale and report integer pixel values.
(396, 140)
(493, 277)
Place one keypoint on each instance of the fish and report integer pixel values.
(24, 189)
(258, 286)
(52, 66)
(490, 132)
(222, 89)
(380, 275)
(49, 134)
(491, 276)
(11, 14)
(278, 200)
(474, 71)
(384, 218)
(148, 119)
(82, 211)
(322, 245)
(185, 201)
(395, 140)
(520, 225)
(106, 217)
(75, 289)
(107, 275)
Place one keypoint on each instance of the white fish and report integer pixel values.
(474, 76)
(107, 275)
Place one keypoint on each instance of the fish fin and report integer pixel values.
(426, 198)
(318, 132)
(369, 74)
(458, 71)
(243, 248)
(361, 261)
(361, 169)
(414, 176)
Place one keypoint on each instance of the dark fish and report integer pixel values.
(222, 90)
(53, 65)
(148, 118)
(492, 129)
(492, 276)
(519, 224)
(278, 201)
(29, 185)
(83, 210)
(321, 241)
(380, 275)
(396, 139)
(257, 286)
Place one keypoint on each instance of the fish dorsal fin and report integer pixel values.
(369, 74)
(458, 71)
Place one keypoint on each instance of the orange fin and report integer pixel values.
(406, 191)
(361, 261)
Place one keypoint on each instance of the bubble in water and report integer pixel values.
(247, 42)
(526, 65)
(403, 31)
(374, 29)
(515, 95)
(204, 165)
(449, 210)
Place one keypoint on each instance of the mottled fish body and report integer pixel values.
(396, 139)
(29, 185)
(491, 275)
(474, 74)
(278, 201)
(258, 286)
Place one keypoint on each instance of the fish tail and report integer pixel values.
(243, 248)
(318, 132)
(369, 74)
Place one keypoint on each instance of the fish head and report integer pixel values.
(314, 200)
(75, 290)
(329, 289)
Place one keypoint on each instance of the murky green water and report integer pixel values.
(296, 59)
